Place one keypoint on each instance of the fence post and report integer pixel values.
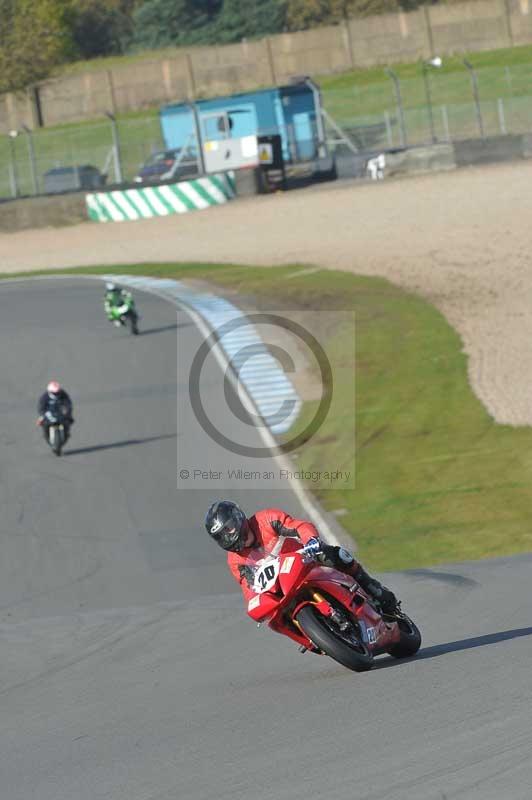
(347, 34)
(34, 106)
(428, 100)
(474, 85)
(508, 74)
(13, 164)
(31, 153)
(111, 87)
(508, 22)
(167, 78)
(388, 128)
(116, 148)
(502, 119)
(428, 28)
(271, 62)
(445, 120)
(399, 102)
(191, 79)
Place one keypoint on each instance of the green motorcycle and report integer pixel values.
(123, 312)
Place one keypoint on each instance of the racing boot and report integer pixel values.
(341, 559)
(384, 596)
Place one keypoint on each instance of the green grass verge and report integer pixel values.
(436, 479)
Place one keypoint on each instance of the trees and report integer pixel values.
(37, 35)
(101, 27)
(301, 14)
(34, 37)
(365, 8)
(159, 23)
(248, 20)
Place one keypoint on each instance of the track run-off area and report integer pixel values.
(128, 667)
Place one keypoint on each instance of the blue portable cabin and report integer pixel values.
(293, 111)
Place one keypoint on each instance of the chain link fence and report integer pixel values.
(450, 122)
(433, 105)
(82, 156)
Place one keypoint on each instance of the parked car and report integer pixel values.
(168, 165)
(68, 179)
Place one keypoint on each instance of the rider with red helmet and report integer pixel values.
(55, 396)
(245, 539)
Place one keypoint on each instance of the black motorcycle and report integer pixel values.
(56, 426)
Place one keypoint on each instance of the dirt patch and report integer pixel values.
(462, 240)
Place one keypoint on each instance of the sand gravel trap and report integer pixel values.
(462, 240)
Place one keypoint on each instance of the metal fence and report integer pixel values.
(31, 161)
(430, 106)
(438, 123)
(435, 105)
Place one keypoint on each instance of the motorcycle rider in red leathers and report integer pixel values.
(247, 539)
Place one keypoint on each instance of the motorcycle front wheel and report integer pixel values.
(56, 439)
(410, 640)
(347, 650)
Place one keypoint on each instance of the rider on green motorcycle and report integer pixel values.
(116, 300)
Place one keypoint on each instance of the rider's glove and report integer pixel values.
(247, 574)
(313, 546)
(327, 557)
(332, 556)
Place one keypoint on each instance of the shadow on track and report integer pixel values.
(165, 328)
(113, 445)
(469, 644)
(437, 650)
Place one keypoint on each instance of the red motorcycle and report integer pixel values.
(326, 611)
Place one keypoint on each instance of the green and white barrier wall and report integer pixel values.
(160, 201)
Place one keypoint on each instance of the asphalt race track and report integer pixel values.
(128, 669)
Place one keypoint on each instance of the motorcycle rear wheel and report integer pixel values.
(356, 657)
(410, 640)
(133, 326)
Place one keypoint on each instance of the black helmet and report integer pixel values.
(226, 523)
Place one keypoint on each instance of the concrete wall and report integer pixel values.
(15, 111)
(76, 97)
(390, 38)
(318, 51)
(211, 71)
(42, 212)
(520, 15)
(241, 66)
(477, 25)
